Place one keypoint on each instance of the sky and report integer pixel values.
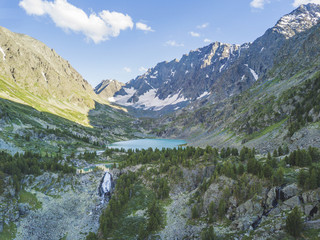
(121, 39)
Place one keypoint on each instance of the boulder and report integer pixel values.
(311, 196)
(290, 191)
(291, 203)
(311, 210)
(271, 197)
(244, 223)
(275, 211)
(249, 208)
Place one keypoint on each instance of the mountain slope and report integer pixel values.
(33, 74)
(217, 71)
(107, 88)
(281, 108)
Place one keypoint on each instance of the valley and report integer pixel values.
(223, 143)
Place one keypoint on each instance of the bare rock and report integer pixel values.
(311, 196)
(290, 190)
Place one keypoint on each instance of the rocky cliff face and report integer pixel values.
(216, 71)
(107, 88)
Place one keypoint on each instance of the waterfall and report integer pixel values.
(106, 187)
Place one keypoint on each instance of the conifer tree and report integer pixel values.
(154, 216)
(294, 224)
(211, 212)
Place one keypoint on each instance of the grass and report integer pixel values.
(312, 234)
(267, 130)
(68, 134)
(9, 231)
(31, 199)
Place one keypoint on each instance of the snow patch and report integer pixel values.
(122, 99)
(3, 53)
(148, 84)
(206, 93)
(111, 99)
(255, 75)
(150, 100)
(297, 22)
(44, 76)
(221, 68)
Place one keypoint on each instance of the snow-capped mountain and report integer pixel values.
(175, 83)
(301, 19)
(216, 71)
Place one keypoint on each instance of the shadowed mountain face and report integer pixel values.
(217, 71)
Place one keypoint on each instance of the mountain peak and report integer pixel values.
(299, 20)
(107, 88)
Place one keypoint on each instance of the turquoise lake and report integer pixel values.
(147, 143)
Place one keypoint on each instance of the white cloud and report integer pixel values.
(142, 69)
(173, 43)
(259, 3)
(98, 27)
(143, 27)
(127, 69)
(34, 7)
(194, 34)
(297, 3)
(205, 25)
(207, 40)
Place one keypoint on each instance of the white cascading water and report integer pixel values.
(106, 186)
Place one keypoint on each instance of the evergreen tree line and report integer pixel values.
(168, 157)
(309, 93)
(21, 164)
(309, 179)
(124, 191)
(303, 157)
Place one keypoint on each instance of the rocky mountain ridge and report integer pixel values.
(107, 88)
(217, 71)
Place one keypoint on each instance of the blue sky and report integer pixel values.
(120, 39)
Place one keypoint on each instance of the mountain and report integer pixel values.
(217, 71)
(280, 109)
(35, 75)
(107, 88)
(45, 100)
